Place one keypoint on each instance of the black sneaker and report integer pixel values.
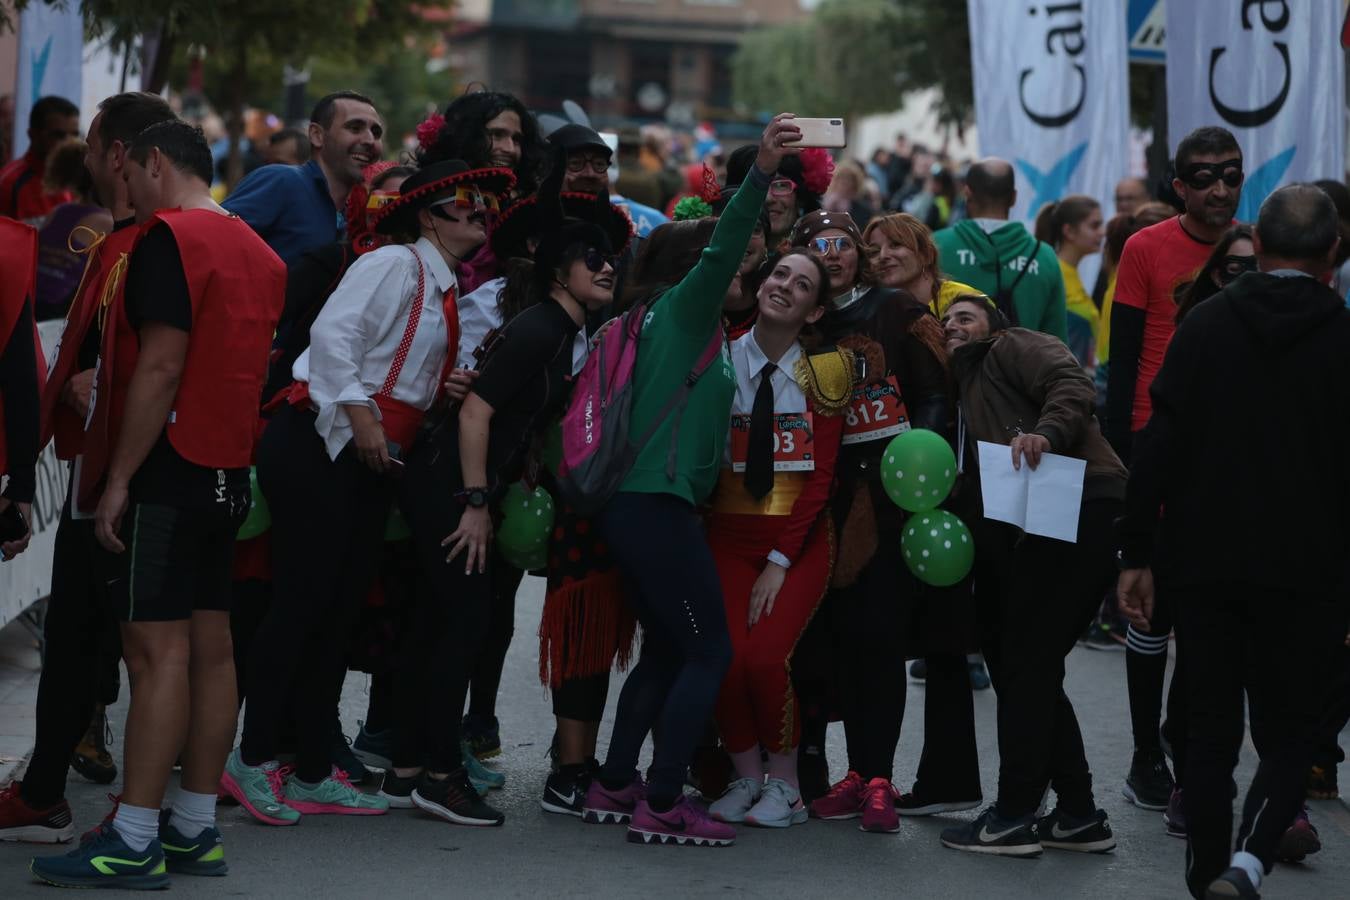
(918, 670)
(1061, 831)
(1149, 784)
(454, 799)
(345, 759)
(911, 804)
(483, 735)
(565, 790)
(398, 791)
(1235, 883)
(990, 834)
(374, 748)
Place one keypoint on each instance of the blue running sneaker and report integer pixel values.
(481, 777)
(105, 861)
(202, 855)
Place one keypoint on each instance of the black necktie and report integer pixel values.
(759, 454)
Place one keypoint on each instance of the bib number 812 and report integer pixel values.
(861, 414)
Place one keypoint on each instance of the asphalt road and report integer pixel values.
(537, 855)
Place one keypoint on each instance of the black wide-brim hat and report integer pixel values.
(428, 182)
(522, 221)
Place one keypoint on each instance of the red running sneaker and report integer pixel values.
(604, 806)
(21, 822)
(683, 823)
(844, 801)
(1299, 840)
(878, 807)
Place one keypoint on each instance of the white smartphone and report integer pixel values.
(821, 133)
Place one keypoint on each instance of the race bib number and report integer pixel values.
(793, 443)
(875, 412)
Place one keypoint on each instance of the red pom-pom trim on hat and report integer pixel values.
(817, 169)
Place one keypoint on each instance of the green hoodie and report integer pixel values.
(988, 261)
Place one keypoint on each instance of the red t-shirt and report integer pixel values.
(1154, 261)
(22, 193)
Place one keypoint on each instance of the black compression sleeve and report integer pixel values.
(1127, 343)
(19, 385)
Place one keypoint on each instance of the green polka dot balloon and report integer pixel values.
(259, 516)
(527, 522)
(937, 547)
(918, 470)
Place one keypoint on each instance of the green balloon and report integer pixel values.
(937, 547)
(396, 527)
(527, 522)
(259, 517)
(918, 469)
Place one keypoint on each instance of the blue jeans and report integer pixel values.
(672, 585)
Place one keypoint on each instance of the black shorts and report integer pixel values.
(177, 560)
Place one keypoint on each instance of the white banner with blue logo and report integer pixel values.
(1051, 96)
(1273, 74)
(51, 49)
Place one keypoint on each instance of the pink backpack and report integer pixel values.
(597, 452)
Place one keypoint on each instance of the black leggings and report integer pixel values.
(1035, 597)
(328, 519)
(451, 617)
(869, 617)
(80, 666)
(659, 544)
(486, 677)
(582, 699)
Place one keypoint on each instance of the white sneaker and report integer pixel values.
(779, 806)
(740, 795)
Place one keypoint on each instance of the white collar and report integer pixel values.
(435, 263)
(989, 226)
(756, 360)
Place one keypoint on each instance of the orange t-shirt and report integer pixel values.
(1155, 260)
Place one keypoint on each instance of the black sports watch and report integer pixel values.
(473, 497)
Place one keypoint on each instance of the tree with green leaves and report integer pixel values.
(245, 43)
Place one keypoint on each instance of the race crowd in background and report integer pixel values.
(734, 404)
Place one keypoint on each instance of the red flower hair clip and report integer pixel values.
(817, 169)
(429, 129)
(711, 191)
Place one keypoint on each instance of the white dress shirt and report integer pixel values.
(788, 397)
(353, 341)
(480, 312)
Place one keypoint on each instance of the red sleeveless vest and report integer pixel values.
(102, 283)
(18, 284)
(238, 288)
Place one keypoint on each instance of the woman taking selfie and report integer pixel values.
(652, 524)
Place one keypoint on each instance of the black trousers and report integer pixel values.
(1035, 596)
(1270, 645)
(80, 668)
(328, 519)
(451, 617)
(486, 677)
(1327, 752)
(949, 767)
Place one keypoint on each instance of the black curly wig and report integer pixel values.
(464, 136)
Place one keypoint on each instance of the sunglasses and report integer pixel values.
(781, 187)
(1232, 267)
(839, 244)
(597, 164)
(596, 260)
(468, 196)
(1203, 175)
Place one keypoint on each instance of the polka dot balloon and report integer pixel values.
(527, 522)
(937, 547)
(918, 470)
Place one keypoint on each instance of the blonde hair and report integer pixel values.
(910, 233)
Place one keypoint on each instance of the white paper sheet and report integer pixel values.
(1045, 501)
